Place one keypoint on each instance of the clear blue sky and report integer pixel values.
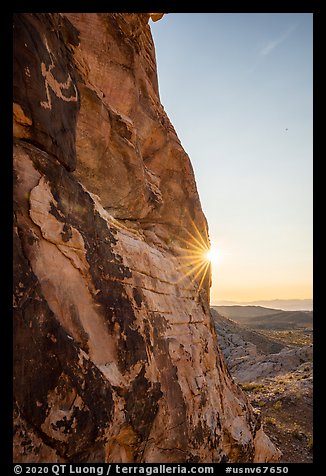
(238, 89)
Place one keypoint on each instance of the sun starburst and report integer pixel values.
(196, 257)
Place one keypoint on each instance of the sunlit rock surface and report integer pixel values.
(115, 353)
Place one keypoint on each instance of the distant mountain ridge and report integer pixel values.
(258, 317)
(278, 304)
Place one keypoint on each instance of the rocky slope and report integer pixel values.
(277, 375)
(251, 356)
(115, 354)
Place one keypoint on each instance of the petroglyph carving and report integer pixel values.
(56, 86)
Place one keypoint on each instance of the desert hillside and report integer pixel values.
(258, 317)
(275, 368)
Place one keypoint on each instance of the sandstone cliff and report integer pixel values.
(115, 354)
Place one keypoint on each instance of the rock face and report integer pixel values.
(115, 354)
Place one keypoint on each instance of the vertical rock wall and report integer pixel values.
(115, 355)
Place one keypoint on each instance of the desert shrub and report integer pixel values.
(261, 403)
(252, 386)
(277, 405)
(270, 420)
(310, 443)
(297, 433)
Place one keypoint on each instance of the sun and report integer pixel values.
(212, 255)
(196, 258)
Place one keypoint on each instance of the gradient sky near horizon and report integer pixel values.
(238, 90)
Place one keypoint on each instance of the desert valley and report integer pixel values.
(269, 353)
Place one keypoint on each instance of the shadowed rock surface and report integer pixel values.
(115, 354)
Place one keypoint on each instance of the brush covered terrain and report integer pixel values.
(273, 364)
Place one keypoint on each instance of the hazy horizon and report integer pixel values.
(282, 304)
(238, 90)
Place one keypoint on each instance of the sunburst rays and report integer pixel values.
(194, 257)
